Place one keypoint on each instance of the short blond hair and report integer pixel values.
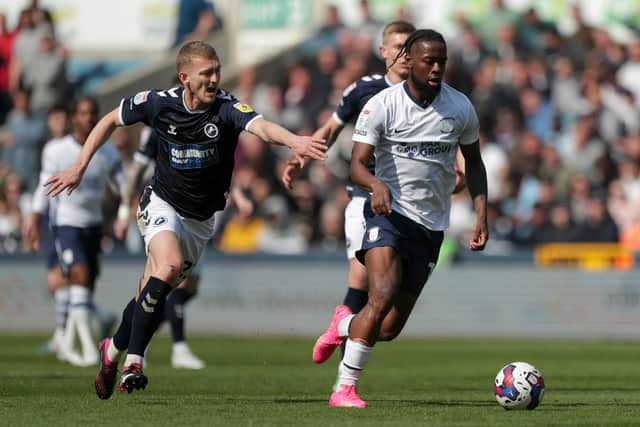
(397, 27)
(193, 49)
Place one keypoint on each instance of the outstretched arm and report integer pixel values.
(302, 146)
(328, 132)
(70, 178)
(477, 184)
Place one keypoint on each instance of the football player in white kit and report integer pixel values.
(76, 224)
(354, 98)
(414, 129)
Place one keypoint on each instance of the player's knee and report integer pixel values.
(389, 334)
(169, 270)
(380, 303)
(79, 275)
(56, 280)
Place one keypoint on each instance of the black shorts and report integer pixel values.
(418, 246)
(75, 245)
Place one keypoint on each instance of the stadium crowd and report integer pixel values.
(559, 114)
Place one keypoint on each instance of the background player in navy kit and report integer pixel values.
(354, 98)
(414, 129)
(76, 224)
(197, 126)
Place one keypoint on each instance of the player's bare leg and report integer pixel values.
(385, 272)
(161, 273)
(397, 317)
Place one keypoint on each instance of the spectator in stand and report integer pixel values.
(598, 225)
(527, 233)
(496, 163)
(297, 98)
(331, 227)
(322, 78)
(327, 34)
(579, 197)
(280, 235)
(580, 145)
(47, 76)
(629, 72)
(624, 212)
(538, 113)
(370, 26)
(306, 205)
(27, 133)
(6, 52)
(530, 31)
(196, 20)
(561, 227)
(566, 91)
(497, 18)
(26, 46)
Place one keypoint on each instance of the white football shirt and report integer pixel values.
(415, 148)
(83, 208)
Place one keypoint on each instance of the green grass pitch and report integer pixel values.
(271, 381)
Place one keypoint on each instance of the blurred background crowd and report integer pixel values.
(559, 114)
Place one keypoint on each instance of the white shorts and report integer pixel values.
(192, 234)
(354, 225)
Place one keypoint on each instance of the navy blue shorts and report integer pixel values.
(418, 246)
(75, 245)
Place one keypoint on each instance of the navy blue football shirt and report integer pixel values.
(354, 97)
(195, 148)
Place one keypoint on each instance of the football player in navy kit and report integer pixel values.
(197, 126)
(144, 157)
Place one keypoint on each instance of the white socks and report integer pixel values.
(180, 346)
(356, 356)
(343, 325)
(61, 303)
(133, 358)
(79, 322)
(113, 354)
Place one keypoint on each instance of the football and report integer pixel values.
(519, 385)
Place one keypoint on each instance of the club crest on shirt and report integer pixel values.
(141, 97)
(447, 125)
(245, 108)
(373, 234)
(211, 130)
(361, 124)
(159, 220)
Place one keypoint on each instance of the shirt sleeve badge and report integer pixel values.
(244, 108)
